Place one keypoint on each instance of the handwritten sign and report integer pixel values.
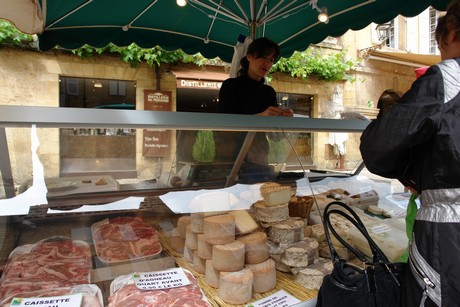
(278, 299)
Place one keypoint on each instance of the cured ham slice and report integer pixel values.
(50, 263)
(129, 295)
(124, 239)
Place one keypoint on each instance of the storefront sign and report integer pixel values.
(199, 84)
(156, 143)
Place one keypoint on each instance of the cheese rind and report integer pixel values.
(264, 276)
(270, 214)
(191, 238)
(256, 247)
(199, 264)
(212, 275)
(228, 257)
(275, 195)
(219, 229)
(236, 287)
(204, 247)
(288, 231)
(182, 223)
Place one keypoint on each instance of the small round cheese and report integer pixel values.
(270, 214)
(197, 222)
(182, 223)
(228, 257)
(199, 264)
(219, 229)
(204, 247)
(264, 276)
(256, 248)
(191, 238)
(212, 275)
(236, 287)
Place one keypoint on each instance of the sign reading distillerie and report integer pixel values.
(203, 84)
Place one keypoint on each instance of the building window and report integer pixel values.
(433, 23)
(391, 40)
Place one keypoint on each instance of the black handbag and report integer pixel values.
(378, 283)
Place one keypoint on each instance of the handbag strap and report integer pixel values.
(377, 253)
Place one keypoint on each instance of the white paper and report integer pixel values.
(277, 299)
(128, 203)
(36, 194)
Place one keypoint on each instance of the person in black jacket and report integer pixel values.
(418, 141)
(248, 94)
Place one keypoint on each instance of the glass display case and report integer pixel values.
(70, 175)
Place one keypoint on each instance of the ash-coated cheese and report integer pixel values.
(264, 276)
(301, 254)
(228, 257)
(182, 223)
(256, 247)
(288, 231)
(279, 265)
(244, 223)
(317, 232)
(211, 275)
(204, 247)
(219, 229)
(312, 276)
(270, 214)
(236, 287)
(191, 238)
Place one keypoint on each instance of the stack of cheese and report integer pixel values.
(288, 245)
(232, 253)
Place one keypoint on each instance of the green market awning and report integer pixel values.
(206, 26)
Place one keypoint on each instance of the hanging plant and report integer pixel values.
(204, 149)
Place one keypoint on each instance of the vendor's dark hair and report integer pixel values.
(259, 47)
(449, 22)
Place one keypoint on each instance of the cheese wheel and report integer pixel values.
(275, 194)
(175, 241)
(204, 248)
(244, 223)
(197, 222)
(219, 229)
(182, 223)
(301, 254)
(312, 276)
(264, 276)
(271, 214)
(256, 247)
(199, 264)
(212, 275)
(188, 254)
(288, 231)
(236, 287)
(191, 238)
(279, 265)
(228, 257)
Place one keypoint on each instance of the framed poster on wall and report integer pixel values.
(156, 143)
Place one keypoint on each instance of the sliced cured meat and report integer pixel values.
(125, 238)
(50, 263)
(128, 295)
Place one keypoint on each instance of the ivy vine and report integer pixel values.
(312, 62)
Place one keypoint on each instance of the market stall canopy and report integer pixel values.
(206, 26)
(415, 58)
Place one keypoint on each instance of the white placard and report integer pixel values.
(72, 300)
(278, 299)
(171, 278)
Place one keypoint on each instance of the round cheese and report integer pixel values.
(270, 214)
(204, 247)
(182, 223)
(256, 248)
(219, 229)
(197, 222)
(236, 287)
(191, 238)
(199, 264)
(288, 231)
(264, 276)
(212, 275)
(228, 257)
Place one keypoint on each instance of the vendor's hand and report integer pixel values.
(276, 111)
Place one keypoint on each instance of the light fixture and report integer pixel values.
(383, 32)
(97, 84)
(323, 16)
(181, 3)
